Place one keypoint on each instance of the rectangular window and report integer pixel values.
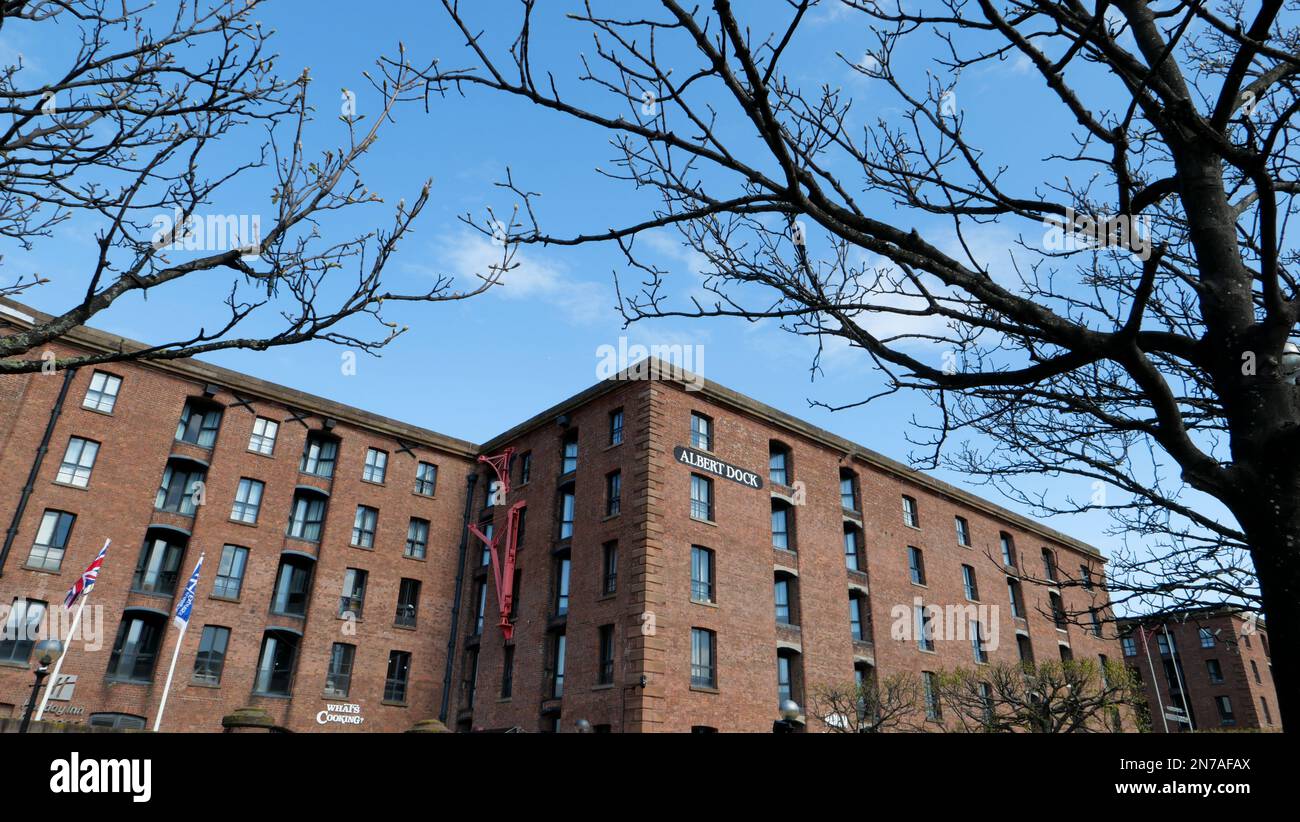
(1024, 648)
(408, 603)
(1049, 565)
(469, 677)
(1008, 549)
(558, 652)
(262, 440)
(561, 586)
(609, 568)
(701, 498)
(569, 453)
(780, 525)
(782, 586)
(1058, 610)
(568, 509)
(701, 574)
(1214, 670)
(306, 516)
(613, 493)
(158, 568)
(376, 465)
(1207, 637)
(525, 467)
(924, 628)
(977, 642)
(508, 672)
(136, 648)
(291, 583)
(1085, 574)
(916, 565)
(1129, 644)
(230, 572)
(968, 582)
(199, 423)
(616, 427)
(784, 679)
(248, 500)
(1095, 617)
(319, 456)
(338, 676)
(426, 479)
(1226, 716)
(353, 599)
(701, 432)
(704, 671)
(102, 393)
(78, 462)
(911, 516)
(211, 658)
(933, 711)
(275, 664)
(363, 526)
(848, 491)
(605, 673)
(51, 540)
(480, 605)
(852, 560)
(399, 674)
(485, 558)
(857, 619)
(963, 531)
(778, 465)
(181, 489)
(22, 629)
(417, 538)
(1163, 644)
(1017, 600)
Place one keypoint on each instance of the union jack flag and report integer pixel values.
(87, 579)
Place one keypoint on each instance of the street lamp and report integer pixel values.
(47, 649)
(789, 721)
(584, 727)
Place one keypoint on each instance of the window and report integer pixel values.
(521, 528)
(78, 462)
(363, 526)
(781, 516)
(1095, 618)
(1024, 648)
(469, 677)
(1268, 715)
(319, 455)
(275, 664)
(480, 605)
(306, 515)
(701, 574)
(704, 671)
(787, 676)
(262, 440)
(1129, 644)
(353, 598)
(230, 572)
(609, 568)
(102, 393)
(1008, 549)
(852, 548)
(248, 500)
(338, 676)
(159, 564)
(1215, 671)
(1049, 565)
(911, 516)
(924, 628)
(778, 464)
(613, 493)
(848, 490)
(376, 465)
(616, 427)
(963, 531)
(199, 422)
(858, 618)
(977, 642)
(701, 498)
(1207, 637)
(525, 467)
(1058, 610)
(916, 565)
(605, 673)
(1017, 598)
(211, 658)
(968, 583)
(485, 558)
(507, 671)
(136, 647)
(399, 673)
(51, 540)
(1226, 716)
(784, 599)
(408, 603)
(21, 630)
(182, 488)
(1254, 670)
(119, 722)
(1066, 653)
(417, 538)
(558, 647)
(1165, 643)
(561, 586)
(569, 453)
(701, 432)
(426, 479)
(933, 711)
(291, 583)
(1085, 574)
(518, 594)
(567, 508)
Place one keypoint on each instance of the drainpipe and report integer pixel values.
(470, 482)
(12, 532)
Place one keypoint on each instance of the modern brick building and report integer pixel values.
(1203, 669)
(688, 558)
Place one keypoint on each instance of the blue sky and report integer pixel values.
(472, 369)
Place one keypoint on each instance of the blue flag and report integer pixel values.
(186, 604)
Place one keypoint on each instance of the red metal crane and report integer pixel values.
(503, 561)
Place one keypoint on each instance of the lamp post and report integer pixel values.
(789, 722)
(584, 727)
(47, 649)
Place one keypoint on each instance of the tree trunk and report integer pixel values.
(1274, 534)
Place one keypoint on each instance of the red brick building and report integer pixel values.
(1202, 670)
(689, 558)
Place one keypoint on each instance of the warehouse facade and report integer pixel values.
(688, 559)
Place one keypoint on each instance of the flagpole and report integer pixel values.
(162, 706)
(1155, 683)
(182, 618)
(54, 675)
